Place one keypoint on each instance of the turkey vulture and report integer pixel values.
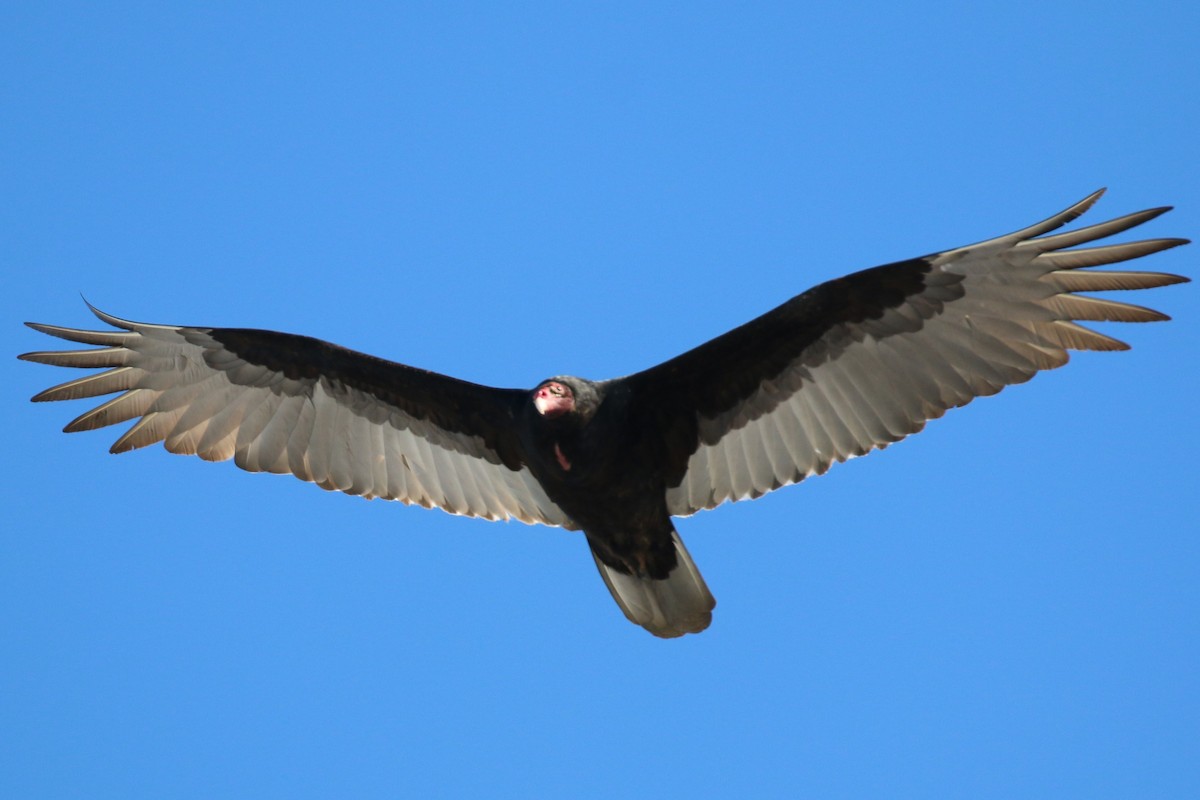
(847, 367)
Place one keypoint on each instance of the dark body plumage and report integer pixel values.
(849, 366)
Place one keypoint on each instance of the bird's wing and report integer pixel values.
(276, 402)
(862, 361)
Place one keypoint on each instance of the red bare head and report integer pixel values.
(553, 398)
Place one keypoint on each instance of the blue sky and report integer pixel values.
(1005, 605)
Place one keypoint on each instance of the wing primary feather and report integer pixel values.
(1100, 310)
(267, 452)
(199, 409)
(1077, 337)
(106, 338)
(247, 420)
(1051, 223)
(121, 408)
(1107, 254)
(149, 430)
(1090, 233)
(979, 359)
(1110, 280)
(120, 379)
(82, 359)
(217, 440)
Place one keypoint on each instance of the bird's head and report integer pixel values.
(553, 398)
(566, 399)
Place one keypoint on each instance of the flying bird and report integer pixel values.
(847, 367)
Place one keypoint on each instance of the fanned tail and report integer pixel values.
(667, 607)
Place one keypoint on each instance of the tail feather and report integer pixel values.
(670, 607)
